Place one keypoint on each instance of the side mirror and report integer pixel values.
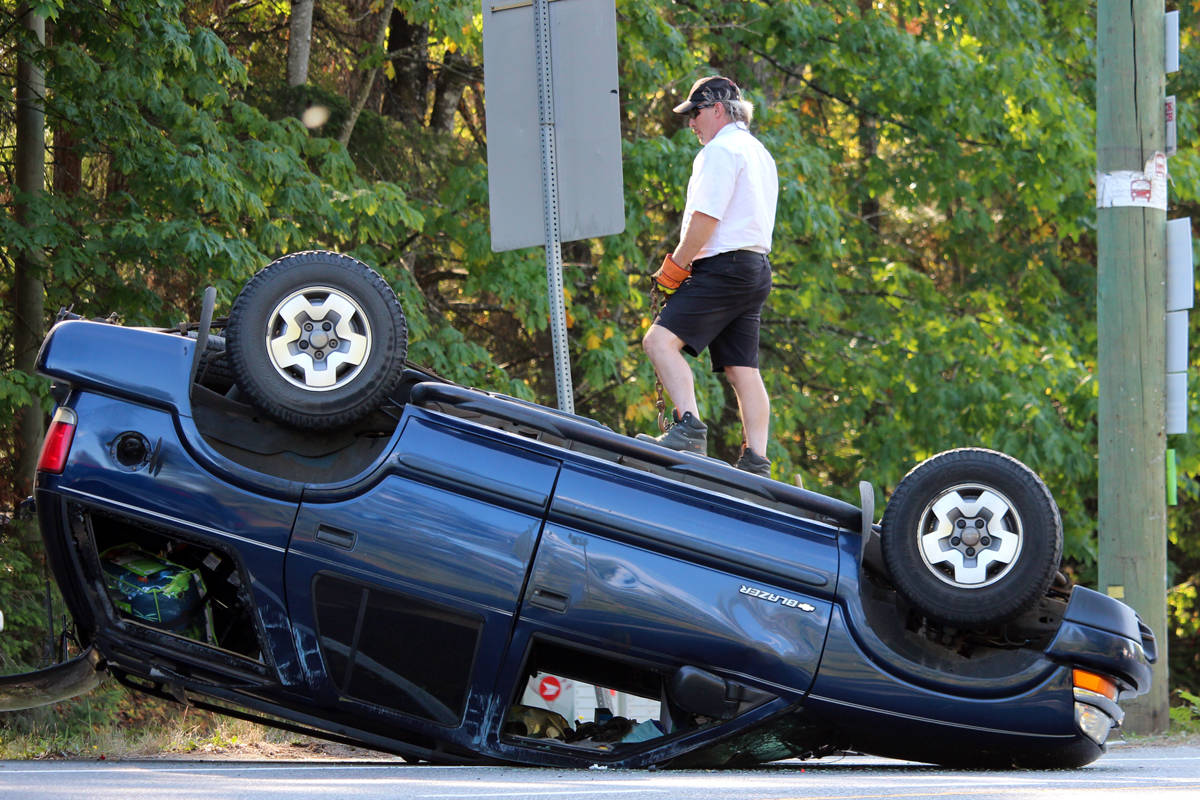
(700, 692)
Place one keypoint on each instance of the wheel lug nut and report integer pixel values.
(318, 355)
(978, 523)
(308, 326)
(333, 343)
(303, 345)
(985, 541)
(970, 551)
(962, 523)
(955, 541)
(326, 326)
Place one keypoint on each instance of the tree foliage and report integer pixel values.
(934, 247)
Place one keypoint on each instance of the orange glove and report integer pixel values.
(670, 275)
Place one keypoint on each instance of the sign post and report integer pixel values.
(554, 278)
(552, 64)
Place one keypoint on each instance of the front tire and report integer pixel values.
(972, 537)
(317, 340)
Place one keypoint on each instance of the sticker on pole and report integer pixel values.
(1146, 189)
(550, 688)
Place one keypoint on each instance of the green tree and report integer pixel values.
(163, 177)
(934, 246)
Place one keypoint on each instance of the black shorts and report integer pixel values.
(720, 308)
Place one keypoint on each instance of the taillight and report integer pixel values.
(57, 445)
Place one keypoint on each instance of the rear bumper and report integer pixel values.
(50, 685)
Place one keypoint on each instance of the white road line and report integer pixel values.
(572, 792)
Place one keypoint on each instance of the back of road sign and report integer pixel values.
(583, 35)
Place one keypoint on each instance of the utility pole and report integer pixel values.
(1130, 132)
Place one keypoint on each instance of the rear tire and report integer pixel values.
(317, 340)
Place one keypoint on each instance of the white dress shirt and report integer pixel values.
(734, 180)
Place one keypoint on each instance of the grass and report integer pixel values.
(111, 722)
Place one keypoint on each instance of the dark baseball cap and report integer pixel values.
(707, 91)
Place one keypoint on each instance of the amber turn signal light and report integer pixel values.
(1095, 683)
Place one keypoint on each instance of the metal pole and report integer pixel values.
(1131, 322)
(554, 278)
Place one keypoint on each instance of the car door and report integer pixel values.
(403, 588)
(650, 571)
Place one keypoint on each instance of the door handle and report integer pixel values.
(553, 601)
(336, 537)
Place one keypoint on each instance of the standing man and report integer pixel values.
(718, 277)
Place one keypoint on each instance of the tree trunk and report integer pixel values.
(407, 92)
(369, 81)
(299, 42)
(454, 76)
(28, 288)
(868, 142)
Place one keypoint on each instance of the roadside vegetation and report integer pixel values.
(934, 250)
(112, 723)
(1185, 717)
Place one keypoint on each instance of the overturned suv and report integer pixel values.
(290, 522)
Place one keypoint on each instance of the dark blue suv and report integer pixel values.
(289, 522)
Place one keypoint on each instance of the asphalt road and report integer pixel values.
(1158, 772)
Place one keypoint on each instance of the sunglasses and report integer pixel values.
(695, 112)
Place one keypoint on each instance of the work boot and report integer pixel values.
(751, 461)
(687, 434)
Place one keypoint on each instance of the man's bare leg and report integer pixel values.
(665, 351)
(754, 405)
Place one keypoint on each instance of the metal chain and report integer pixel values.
(659, 402)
